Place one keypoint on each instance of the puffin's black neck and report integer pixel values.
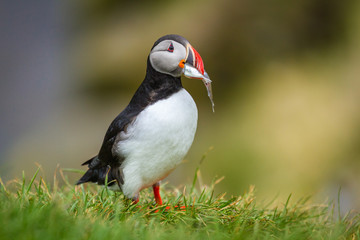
(156, 86)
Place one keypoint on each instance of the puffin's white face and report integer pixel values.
(166, 57)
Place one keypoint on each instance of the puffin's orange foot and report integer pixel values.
(181, 208)
(135, 199)
(167, 208)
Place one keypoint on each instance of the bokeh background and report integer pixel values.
(285, 80)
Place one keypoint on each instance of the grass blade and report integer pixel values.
(32, 181)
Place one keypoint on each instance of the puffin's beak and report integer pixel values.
(193, 67)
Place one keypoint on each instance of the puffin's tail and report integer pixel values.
(98, 174)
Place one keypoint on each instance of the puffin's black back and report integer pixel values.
(156, 86)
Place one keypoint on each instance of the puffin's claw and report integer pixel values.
(135, 199)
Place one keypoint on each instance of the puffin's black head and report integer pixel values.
(171, 53)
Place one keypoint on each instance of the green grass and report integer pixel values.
(36, 210)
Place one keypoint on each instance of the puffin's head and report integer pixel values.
(173, 55)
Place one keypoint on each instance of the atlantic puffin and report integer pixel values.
(151, 136)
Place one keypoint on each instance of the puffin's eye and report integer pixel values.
(171, 48)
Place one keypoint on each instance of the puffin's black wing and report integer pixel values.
(107, 163)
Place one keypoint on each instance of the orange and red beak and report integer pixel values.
(193, 64)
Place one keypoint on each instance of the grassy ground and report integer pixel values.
(35, 210)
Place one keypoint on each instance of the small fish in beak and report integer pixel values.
(193, 67)
(191, 72)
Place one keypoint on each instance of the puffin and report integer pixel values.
(152, 135)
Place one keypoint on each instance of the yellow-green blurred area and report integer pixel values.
(285, 77)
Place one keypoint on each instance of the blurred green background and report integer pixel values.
(285, 81)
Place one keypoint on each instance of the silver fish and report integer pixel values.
(191, 72)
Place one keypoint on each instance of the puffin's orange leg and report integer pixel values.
(156, 188)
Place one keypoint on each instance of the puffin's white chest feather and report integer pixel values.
(157, 141)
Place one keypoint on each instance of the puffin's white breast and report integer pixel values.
(157, 141)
